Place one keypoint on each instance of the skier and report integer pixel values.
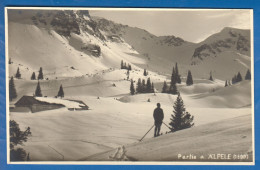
(158, 118)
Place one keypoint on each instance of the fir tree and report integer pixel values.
(130, 67)
(180, 119)
(165, 87)
(226, 83)
(33, 77)
(132, 88)
(173, 77)
(18, 74)
(152, 88)
(145, 73)
(38, 92)
(239, 77)
(139, 86)
(210, 77)
(173, 89)
(40, 75)
(17, 137)
(122, 64)
(148, 86)
(178, 77)
(60, 92)
(248, 75)
(143, 86)
(12, 90)
(189, 80)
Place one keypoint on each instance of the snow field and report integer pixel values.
(108, 124)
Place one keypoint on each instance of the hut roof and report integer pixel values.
(26, 101)
(30, 100)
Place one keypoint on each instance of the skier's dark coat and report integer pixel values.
(158, 115)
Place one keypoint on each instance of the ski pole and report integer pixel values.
(166, 125)
(146, 133)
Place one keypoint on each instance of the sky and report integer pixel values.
(190, 25)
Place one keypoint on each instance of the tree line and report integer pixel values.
(142, 86)
(125, 66)
(18, 75)
(238, 78)
(176, 79)
(38, 91)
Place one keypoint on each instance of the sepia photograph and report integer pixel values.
(129, 86)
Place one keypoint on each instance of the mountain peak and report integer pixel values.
(227, 39)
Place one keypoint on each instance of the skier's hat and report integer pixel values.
(158, 104)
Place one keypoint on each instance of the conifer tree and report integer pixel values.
(18, 74)
(40, 75)
(173, 77)
(152, 88)
(178, 77)
(239, 77)
(189, 80)
(248, 75)
(12, 90)
(145, 74)
(143, 86)
(173, 89)
(180, 119)
(60, 92)
(130, 67)
(17, 137)
(226, 83)
(139, 86)
(165, 87)
(122, 64)
(132, 88)
(38, 92)
(33, 77)
(210, 77)
(148, 86)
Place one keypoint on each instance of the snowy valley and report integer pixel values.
(83, 53)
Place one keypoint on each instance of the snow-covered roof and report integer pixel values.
(66, 103)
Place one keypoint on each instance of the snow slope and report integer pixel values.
(111, 122)
(229, 136)
(61, 56)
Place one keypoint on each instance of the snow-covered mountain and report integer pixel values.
(73, 43)
(84, 53)
(229, 39)
(63, 43)
(225, 52)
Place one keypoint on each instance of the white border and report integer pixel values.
(122, 162)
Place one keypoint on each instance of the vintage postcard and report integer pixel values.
(129, 86)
